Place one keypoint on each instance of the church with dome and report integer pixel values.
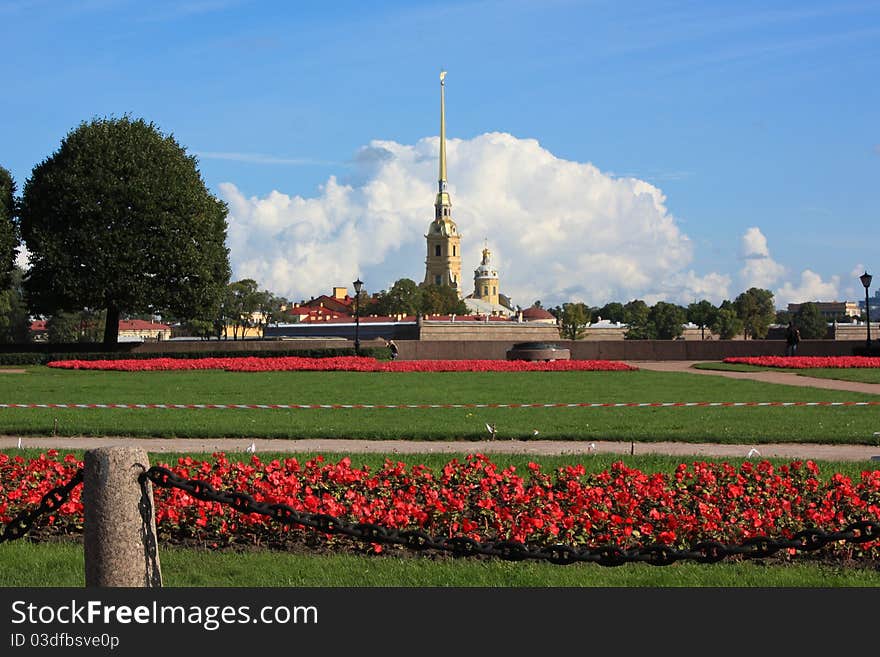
(443, 261)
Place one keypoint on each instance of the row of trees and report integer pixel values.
(406, 297)
(749, 315)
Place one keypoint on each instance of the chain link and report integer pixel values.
(606, 555)
(51, 501)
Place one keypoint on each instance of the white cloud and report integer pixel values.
(759, 270)
(558, 230)
(810, 288)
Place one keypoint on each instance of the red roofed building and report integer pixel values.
(139, 330)
(535, 314)
(39, 330)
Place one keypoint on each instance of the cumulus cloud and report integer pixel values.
(759, 270)
(811, 287)
(558, 230)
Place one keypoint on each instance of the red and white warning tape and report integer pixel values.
(398, 406)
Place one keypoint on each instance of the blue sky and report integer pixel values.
(755, 124)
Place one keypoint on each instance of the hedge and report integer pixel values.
(380, 353)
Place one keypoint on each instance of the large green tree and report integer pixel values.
(119, 218)
(703, 314)
(612, 311)
(755, 308)
(8, 233)
(635, 316)
(441, 300)
(666, 320)
(810, 322)
(404, 298)
(574, 320)
(241, 303)
(727, 323)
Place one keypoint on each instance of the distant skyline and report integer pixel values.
(608, 151)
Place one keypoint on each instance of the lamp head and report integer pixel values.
(866, 279)
(358, 285)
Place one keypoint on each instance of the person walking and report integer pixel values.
(792, 338)
(393, 347)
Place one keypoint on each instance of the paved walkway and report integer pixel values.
(536, 447)
(786, 378)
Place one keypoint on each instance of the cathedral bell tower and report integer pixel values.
(443, 264)
(486, 280)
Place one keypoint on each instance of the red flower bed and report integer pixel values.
(806, 362)
(340, 363)
(476, 498)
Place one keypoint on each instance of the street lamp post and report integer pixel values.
(358, 286)
(866, 281)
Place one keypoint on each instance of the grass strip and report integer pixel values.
(26, 564)
(854, 374)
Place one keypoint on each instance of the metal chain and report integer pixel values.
(22, 523)
(419, 540)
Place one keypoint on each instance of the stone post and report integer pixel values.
(119, 534)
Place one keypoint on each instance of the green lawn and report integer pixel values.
(856, 374)
(26, 564)
(815, 424)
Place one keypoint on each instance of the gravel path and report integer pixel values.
(537, 447)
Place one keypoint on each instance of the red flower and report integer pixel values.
(339, 363)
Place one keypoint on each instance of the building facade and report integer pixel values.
(486, 280)
(830, 309)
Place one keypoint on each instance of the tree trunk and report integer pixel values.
(111, 328)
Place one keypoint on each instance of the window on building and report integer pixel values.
(453, 249)
(494, 290)
(437, 280)
(485, 290)
(437, 250)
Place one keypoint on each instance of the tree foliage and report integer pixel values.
(635, 316)
(441, 300)
(573, 321)
(403, 298)
(755, 308)
(15, 323)
(727, 323)
(240, 305)
(8, 232)
(83, 326)
(810, 322)
(783, 317)
(613, 312)
(119, 218)
(703, 314)
(666, 320)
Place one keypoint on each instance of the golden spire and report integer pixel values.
(442, 132)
